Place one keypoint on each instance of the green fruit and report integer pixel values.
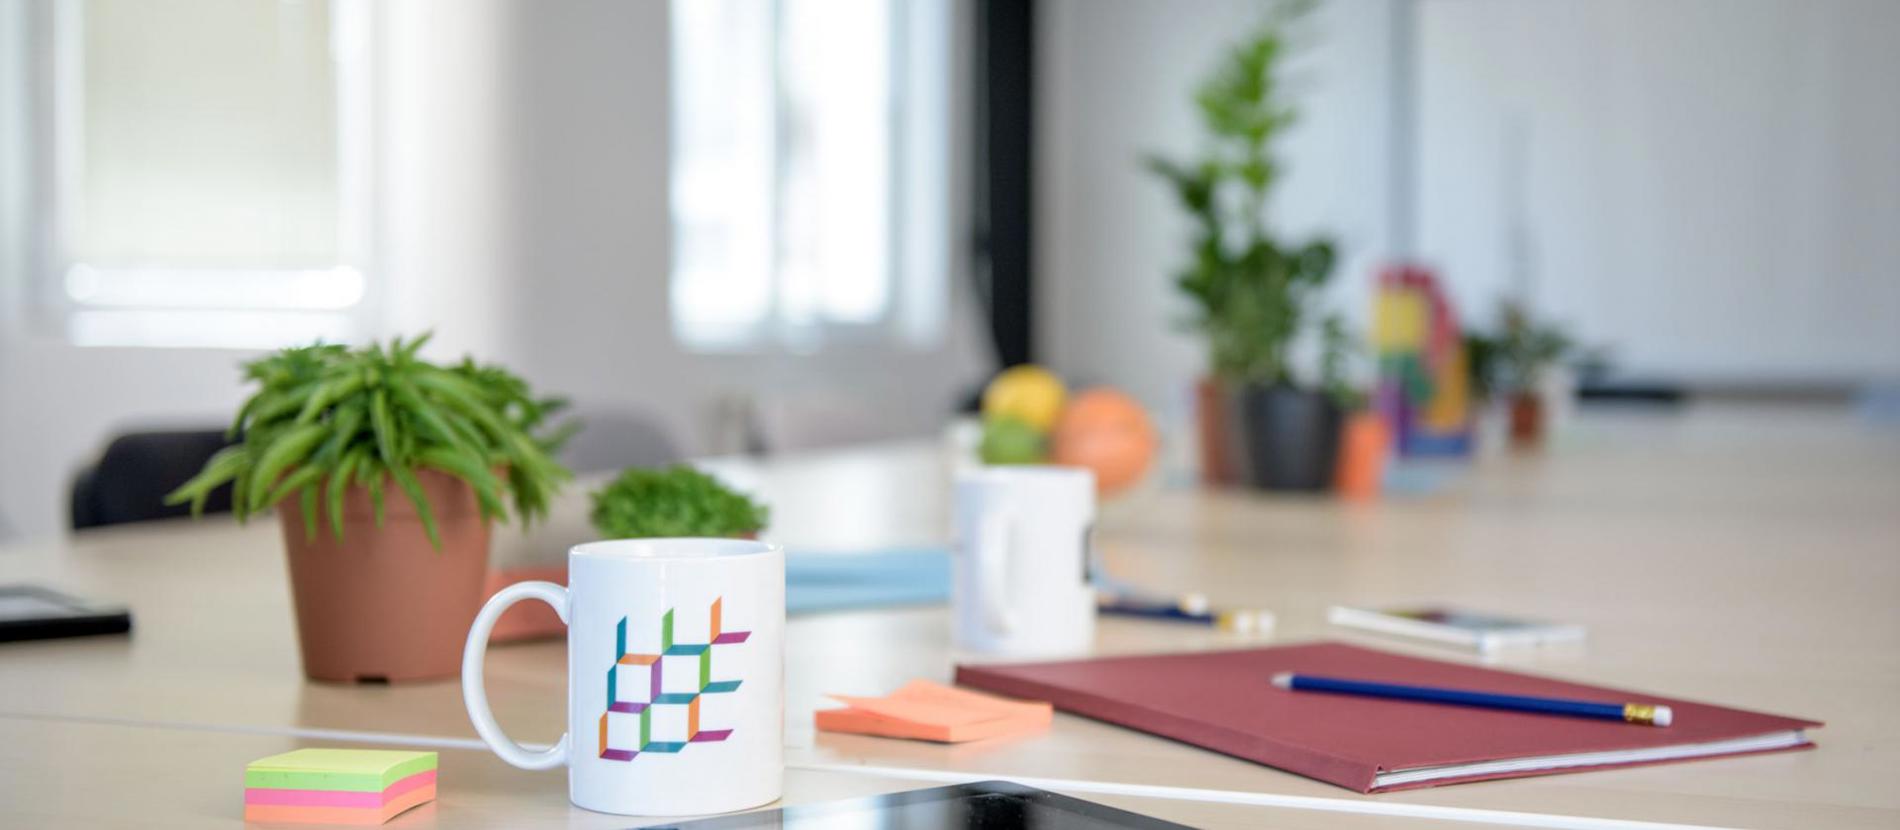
(1010, 441)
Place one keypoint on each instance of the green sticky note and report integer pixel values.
(350, 770)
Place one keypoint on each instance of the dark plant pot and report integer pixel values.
(1291, 436)
(1527, 420)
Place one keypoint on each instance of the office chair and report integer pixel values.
(130, 480)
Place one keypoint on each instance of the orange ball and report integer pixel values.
(1108, 432)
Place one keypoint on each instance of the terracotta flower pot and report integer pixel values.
(382, 603)
(1364, 445)
(1213, 413)
(1527, 420)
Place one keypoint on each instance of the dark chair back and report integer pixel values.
(131, 479)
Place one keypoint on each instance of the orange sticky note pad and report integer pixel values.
(928, 711)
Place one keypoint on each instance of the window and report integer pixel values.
(810, 181)
(209, 159)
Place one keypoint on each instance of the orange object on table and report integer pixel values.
(1108, 432)
(928, 711)
(1363, 449)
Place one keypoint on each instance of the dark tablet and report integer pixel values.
(32, 613)
(990, 805)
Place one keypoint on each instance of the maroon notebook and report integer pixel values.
(1225, 701)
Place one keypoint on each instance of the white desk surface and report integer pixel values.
(1746, 557)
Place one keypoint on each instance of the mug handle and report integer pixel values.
(992, 567)
(475, 695)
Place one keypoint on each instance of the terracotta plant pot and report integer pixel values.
(1364, 446)
(382, 604)
(1527, 420)
(1214, 413)
(526, 620)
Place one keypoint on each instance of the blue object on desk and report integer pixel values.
(1639, 713)
(816, 581)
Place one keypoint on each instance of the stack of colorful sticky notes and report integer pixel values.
(934, 712)
(337, 786)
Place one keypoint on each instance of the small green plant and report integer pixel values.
(1525, 348)
(676, 501)
(325, 418)
(1481, 357)
(1339, 349)
(1252, 294)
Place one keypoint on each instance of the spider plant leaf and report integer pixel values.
(371, 474)
(309, 505)
(343, 426)
(459, 395)
(298, 479)
(329, 392)
(466, 433)
(287, 448)
(339, 484)
(428, 418)
(408, 352)
(276, 406)
(223, 466)
(407, 481)
(385, 429)
(487, 488)
(237, 421)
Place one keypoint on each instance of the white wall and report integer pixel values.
(1710, 187)
(1117, 79)
(524, 190)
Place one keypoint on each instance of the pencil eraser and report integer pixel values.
(1283, 680)
(1663, 715)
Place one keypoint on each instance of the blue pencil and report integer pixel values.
(1647, 714)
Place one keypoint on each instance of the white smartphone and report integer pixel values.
(1483, 633)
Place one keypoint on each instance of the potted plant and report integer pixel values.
(1252, 295)
(1525, 349)
(385, 585)
(675, 501)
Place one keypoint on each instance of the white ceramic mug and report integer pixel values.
(1022, 559)
(675, 675)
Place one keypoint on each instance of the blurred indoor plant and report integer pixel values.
(675, 501)
(1524, 351)
(388, 592)
(1252, 294)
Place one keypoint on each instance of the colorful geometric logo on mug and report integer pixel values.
(656, 698)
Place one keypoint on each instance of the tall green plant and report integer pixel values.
(1252, 294)
(325, 418)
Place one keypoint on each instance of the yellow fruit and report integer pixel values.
(1027, 393)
